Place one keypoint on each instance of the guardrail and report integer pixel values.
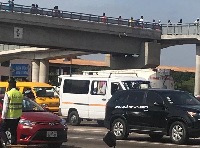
(78, 16)
(183, 29)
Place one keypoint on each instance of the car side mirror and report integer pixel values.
(110, 139)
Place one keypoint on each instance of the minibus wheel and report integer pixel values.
(74, 118)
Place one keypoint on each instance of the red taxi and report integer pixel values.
(38, 126)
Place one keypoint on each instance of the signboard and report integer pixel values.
(18, 32)
(19, 70)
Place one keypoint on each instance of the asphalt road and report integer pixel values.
(90, 135)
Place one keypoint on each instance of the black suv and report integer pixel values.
(156, 112)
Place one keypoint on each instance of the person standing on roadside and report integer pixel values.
(11, 113)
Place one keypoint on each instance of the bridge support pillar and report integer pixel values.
(35, 70)
(197, 72)
(147, 57)
(44, 71)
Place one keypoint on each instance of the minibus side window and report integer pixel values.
(76, 86)
(98, 87)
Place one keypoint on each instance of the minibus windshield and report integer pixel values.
(136, 84)
(45, 92)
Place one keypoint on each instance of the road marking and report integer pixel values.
(74, 137)
(140, 142)
(90, 138)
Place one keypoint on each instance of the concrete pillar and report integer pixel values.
(148, 56)
(44, 71)
(197, 72)
(35, 70)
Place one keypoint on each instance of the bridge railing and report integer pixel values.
(183, 29)
(78, 16)
(5, 47)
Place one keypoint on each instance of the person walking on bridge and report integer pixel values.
(196, 26)
(11, 5)
(169, 25)
(131, 22)
(180, 27)
(104, 18)
(11, 113)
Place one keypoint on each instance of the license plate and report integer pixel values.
(51, 133)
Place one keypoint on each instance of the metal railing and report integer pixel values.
(78, 16)
(172, 29)
(5, 47)
(183, 29)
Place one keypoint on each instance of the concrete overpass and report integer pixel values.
(86, 33)
(61, 36)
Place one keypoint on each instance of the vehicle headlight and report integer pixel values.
(44, 105)
(192, 114)
(26, 122)
(63, 122)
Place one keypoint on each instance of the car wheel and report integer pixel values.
(74, 118)
(54, 145)
(155, 137)
(119, 129)
(178, 133)
(100, 122)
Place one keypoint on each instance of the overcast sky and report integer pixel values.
(188, 10)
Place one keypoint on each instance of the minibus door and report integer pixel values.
(98, 99)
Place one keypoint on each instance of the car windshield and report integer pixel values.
(28, 105)
(136, 84)
(45, 92)
(31, 106)
(180, 98)
(2, 90)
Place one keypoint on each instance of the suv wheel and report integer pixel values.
(119, 129)
(74, 118)
(178, 133)
(155, 137)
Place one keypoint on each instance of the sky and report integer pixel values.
(164, 10)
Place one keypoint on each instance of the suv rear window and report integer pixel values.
(180, 98)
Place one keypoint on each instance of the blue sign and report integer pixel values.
(19, 70)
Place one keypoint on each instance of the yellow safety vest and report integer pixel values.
(15, 104)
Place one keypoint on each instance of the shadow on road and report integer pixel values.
(69, 146)
(164, 140)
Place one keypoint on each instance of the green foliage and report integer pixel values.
(184, 81)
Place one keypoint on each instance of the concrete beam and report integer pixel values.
(38, 53)
(60, 23)
(57, 33)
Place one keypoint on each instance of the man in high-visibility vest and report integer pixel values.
(11, 113)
